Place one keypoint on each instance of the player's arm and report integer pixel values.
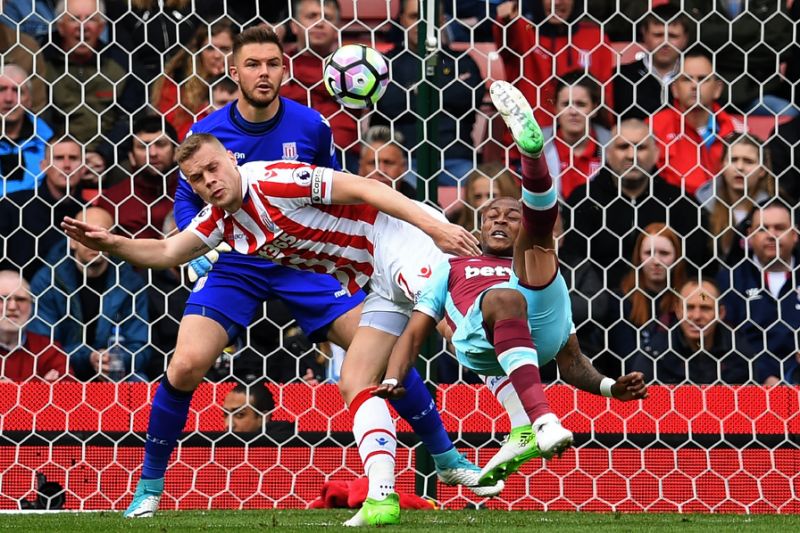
(577, 370)
(350, 189)
(148, 253)
(404, 355)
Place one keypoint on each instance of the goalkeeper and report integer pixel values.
(509, 309)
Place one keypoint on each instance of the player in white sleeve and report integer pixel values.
(313, 218)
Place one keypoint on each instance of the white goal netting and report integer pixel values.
(671, 133)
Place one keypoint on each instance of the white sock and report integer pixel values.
(381, 478)
(544, 419)
(505, 393)
(374, 432)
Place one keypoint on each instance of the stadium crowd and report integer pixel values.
(672, 136)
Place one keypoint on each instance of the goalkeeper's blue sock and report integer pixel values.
(418, 408)
(167, 419)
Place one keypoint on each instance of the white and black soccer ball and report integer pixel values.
(356, 76)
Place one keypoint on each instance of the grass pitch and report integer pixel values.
(440, 521)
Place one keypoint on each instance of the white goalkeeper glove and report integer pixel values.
(202, 265)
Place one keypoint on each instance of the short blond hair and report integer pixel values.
(193, 143)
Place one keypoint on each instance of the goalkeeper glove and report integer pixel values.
(201, 266)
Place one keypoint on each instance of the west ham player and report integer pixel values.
(319, 220)
(509, 309)
(263, 126)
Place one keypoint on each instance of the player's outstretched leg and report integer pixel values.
(519, 446)
(168, 416)
(505, 312)
(452, 468)
(518, 116)
(373, 429)
(545, 439)
(539, 197)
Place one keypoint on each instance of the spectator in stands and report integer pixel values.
(96, 167)
(24, 51)
(182, 94)
(793, 57)
(223, 92)
(23, 136)
(140, 203)
(749, 40)
(552, 43)
(641, 88)
(24, 355)
(246, 13)
(586, 293)
(574, 151)
(784, 148)
(626, 193)
(619, 17)
(700, 350)
(94, 308)
(31, 17)
(87, 80)
(167, 295)
(153, 30)
(648, 294)
(459, 88)
(29, 219)
(470, 21)
(729, 198)
(762, 295)
(691, 134)
(249, 408)
(383, 158)
(488, 181)
(315, 24)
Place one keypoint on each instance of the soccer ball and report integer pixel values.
(356, 76)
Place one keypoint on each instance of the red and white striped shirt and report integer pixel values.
(287, 217)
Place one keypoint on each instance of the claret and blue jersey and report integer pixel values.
(454, 292)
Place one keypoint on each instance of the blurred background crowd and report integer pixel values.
(672, 132)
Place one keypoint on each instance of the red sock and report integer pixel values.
(539, 199)
(517, 355)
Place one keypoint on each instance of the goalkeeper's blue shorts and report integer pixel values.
(238, 285)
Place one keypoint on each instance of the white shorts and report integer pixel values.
(404, 259)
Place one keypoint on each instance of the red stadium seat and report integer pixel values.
(448, 198)
(363, 16)
(761, 127)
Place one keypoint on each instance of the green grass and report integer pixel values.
(438, 521)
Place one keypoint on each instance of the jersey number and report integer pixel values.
(276, 247)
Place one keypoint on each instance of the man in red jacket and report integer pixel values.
(553, 42)
(690, 133)
(317, 34)
(24, 355)
(140, 203)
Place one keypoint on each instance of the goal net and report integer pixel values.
(621, 92)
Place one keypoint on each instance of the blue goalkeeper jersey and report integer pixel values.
(296, 133)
